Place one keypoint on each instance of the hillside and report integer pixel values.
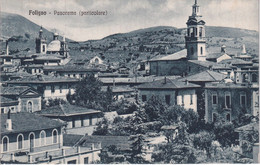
(128, 47)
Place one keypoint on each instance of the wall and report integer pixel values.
(13, 145)
(48, 94)
(161, 68)
(36, 104)
(160, 93)
(187, 94)
(219, 108)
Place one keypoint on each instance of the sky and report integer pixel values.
(128, 15)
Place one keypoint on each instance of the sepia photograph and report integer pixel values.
(129, 82)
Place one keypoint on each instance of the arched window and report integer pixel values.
(228, 117)
(96, 61)
(29, 107)
(254, 77)
(42, 138)
(31, 138)
(200, 33)
(201, 50)
(20, 141)
(191, 50)
(5, 142)
(244, 78)
(54, 136)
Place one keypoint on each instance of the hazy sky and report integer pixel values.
(127, 15)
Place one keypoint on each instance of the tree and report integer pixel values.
(102, 128)
(88, 93)
(137, 143)
(203, 141)
(153, 108)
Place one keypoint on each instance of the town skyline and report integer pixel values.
(139, 15)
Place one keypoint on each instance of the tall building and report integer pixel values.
(41, 43)
(195, 39)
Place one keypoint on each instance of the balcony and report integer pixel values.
(47, 155)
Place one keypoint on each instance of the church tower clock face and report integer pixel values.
(195, 38)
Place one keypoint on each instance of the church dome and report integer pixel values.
(54, 46)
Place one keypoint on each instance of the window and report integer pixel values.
(12, 109)
(254, 78)
(68, 75)
(144, 98)
(54, 136)
(244, 78)
(20, 141)
(86, 160)
(72, 162)
(200, 33)
(182, 100)
(73, 123)
(228, 117)
(43, 48)
(168, 99)
(74, 75)
(228, 101)
(191, 99)
(29, 106)
(201, 50)
(82, 121)
(42, 138)
(60, 88)
(90, 120)
(2, 110)
(242, 99)
(214, 99)
(5, 142)
(31, 137)
(52, 89)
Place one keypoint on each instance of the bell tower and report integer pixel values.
(41, 44)
(195, 38)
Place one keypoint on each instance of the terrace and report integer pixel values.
(47, 154)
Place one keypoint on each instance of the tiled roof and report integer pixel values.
(49, 57)
(207, 63)
(66, 110)
(6, 100)
(25, 122)
(235, 61)
(42, 79)
(175, 56)
(223, 85)
(205, 76)
(71, 68)
(15, 90)
(71, 139)
(167, 83)
(248, 127)
(121, 142)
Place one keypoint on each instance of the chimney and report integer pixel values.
(243, 49)
(164, 80)
(8, 123)
(223, 49)
(186, 82)
(7, 48)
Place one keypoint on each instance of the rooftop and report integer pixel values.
(6, 101)
(24, 122)
(248, 127)
(70, 68)
(42, 79)
(205, 76)
(66, 110)
(175, 56)
(16, 90)
(208, 64)
(223, 85)
(167, 83)
(121, 142)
